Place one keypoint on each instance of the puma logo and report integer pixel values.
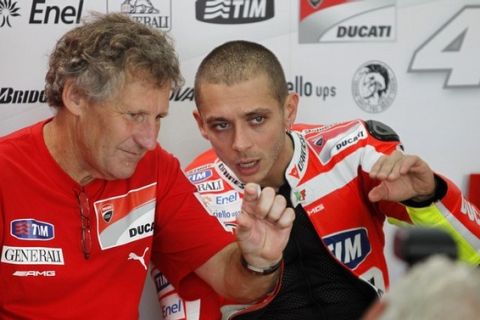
(141, 259)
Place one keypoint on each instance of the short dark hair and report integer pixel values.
(237, 61)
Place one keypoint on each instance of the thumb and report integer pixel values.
(378, 193)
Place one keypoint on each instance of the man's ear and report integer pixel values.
(200, 123)
(72, 100)
(291, 107)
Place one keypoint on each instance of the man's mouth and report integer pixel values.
(247, 168)
(132, 155)
(248, 164)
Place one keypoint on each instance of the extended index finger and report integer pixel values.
(258, 203)
(251, 196)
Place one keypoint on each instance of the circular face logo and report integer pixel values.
(374, 86)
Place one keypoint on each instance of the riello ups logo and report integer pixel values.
(347, 21)
(234, 11)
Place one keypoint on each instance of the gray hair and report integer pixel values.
(438, 289)
(101, 54)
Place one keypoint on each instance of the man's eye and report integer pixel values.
(138, 117)
(220, 126)
(258, 119)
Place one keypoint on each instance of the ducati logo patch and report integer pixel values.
(107, 212)
(127, 217)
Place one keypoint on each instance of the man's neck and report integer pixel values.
(59, 137)
(278, 172)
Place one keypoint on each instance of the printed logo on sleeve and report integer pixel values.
(350, 139)
(200, 176)
(331, 142)
(227, 198)
(214, 185)
(224, 206)
(161, 283)
(31, 229)
(229, 176)
(173, 307)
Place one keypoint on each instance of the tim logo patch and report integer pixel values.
(126, 218)
(200, 176)
(161, 283)
(350, 247)
(234, 12)
(31, 229)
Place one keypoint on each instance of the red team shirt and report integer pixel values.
(154, 215)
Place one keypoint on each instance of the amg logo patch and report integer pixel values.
(46, 273)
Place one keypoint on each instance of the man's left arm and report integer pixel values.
(430, 200)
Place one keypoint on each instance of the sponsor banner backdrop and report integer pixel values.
(409, 63)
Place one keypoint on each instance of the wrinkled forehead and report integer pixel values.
(145, 75)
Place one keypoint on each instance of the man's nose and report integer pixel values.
(147, 135)
(242, 139)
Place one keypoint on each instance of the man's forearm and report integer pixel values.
(248, 285)
(226, 274)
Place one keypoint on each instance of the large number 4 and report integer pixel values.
(454, 49)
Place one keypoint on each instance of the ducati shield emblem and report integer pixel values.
(315, 3)
(294, 172)
(107, 212)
